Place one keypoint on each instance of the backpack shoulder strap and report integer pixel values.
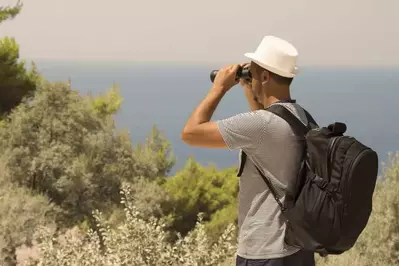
(299, 129)
(312, 123)
(297, 126)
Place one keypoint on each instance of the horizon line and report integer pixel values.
(194, 63)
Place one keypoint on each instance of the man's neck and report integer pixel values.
(279, 94)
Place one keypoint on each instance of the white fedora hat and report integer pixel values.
(276, 55)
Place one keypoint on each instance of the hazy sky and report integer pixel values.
(334, 32)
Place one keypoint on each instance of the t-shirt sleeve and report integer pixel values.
(243, 131)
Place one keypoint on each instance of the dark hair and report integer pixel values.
(280, 80)
(277, 78)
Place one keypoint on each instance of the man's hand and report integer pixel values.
(199, 130)
(226, 78)
(253, 102)
(246, 83)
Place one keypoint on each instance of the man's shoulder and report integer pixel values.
(295, 108)
(244, 130)
(258, 117)
(263, 118)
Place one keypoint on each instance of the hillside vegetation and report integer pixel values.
(75, 190)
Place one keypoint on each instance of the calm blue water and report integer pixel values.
(365, 99)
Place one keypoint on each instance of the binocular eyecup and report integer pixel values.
(242, 73)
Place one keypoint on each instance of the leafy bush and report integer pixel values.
(135, 242)
(16, 82)
(142, 242)
(62, 146)
(197, 189)
(108, 103)
(156, 151)
(21, 212)
(149, 199)
(59, 145)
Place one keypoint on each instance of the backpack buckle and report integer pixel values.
(320, 182)
(337, 128)
(323, 184)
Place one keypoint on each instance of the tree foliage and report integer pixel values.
(57, 144)
(7, 12)
(65, 146)
(197, 189)
(16, 82)
(158, 151)
(21, 212)
(108, 103)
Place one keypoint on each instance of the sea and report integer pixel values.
(366, 99)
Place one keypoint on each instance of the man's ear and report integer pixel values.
(265, 77)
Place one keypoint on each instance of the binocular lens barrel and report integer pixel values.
(243, 73)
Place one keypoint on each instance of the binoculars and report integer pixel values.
(242, 73)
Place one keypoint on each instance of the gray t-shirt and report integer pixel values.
(269, 143)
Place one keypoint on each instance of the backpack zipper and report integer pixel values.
(333, 149)
(351, 164)
(346, 175)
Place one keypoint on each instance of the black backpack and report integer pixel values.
(330, 204)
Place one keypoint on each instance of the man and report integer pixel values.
(268, 142)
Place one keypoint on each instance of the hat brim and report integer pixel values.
(280, 72)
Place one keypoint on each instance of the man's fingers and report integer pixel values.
(231, 68)
(235, 67)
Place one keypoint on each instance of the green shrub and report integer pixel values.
(197, 189)
(21, 213)
(59, 145)
(9, 12)
(156, 151)
(140, 241)
(135, 242)
(16, 82)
